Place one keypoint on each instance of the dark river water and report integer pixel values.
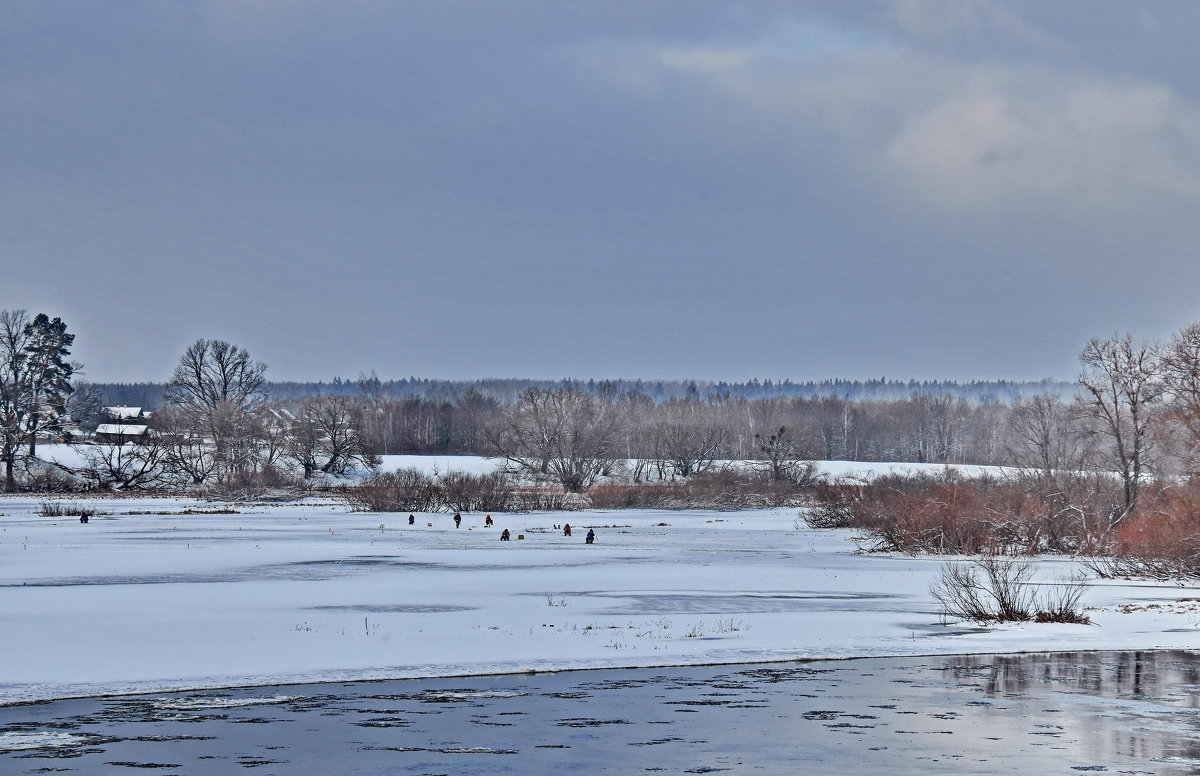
(1068, 713)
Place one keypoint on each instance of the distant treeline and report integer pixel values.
(506, 391)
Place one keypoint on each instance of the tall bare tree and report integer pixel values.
(1044, 435)
(687, 436)
(220, 392)
(1122, 382)
(1180, 362)
(566, 435)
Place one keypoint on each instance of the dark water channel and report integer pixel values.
(1068, 713)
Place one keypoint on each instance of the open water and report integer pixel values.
(1058, 713)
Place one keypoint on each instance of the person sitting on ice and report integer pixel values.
(504, 535)
(567, 529)
(591, 537)
(412, 519)
(487, 521)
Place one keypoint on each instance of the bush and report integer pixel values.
(950, 514)
(462, 492)
(49, 477)
(1159, 540)
(728, 488)
(547, 499)
(836, 505)
(996, 589)
(411, 490)
(64, 509)
(404, 490)
(267, 484)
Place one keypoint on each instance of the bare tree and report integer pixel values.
(1180, 363)
(1044, 434)
(565, 435)
(192, 457)
(220, 392)
(13, 401)
(213, 372)
(327, 436)
(128, 466)
(1122, 382)
(941, 421)
(687, 436)
(778, 453)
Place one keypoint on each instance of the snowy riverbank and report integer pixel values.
(146, 598)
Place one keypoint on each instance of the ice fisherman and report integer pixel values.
(567, 529)
(591, 537)
(487, 521)
(504, 535)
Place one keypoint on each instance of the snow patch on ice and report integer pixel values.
(42, 739)
(199, 704)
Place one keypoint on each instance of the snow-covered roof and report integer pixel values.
(281, 413)
(119, 429)
(122, 413)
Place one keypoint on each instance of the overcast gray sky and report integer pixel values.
(534, 188)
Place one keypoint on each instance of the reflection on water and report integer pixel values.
(1115, 712)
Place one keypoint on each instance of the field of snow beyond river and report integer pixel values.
(158, 594)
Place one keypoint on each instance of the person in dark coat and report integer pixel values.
(457, 520)
(504, 535)
(487, 521)
(412, 519)
(591, 537)
(567, 529)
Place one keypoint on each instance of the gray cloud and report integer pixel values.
(709, 189)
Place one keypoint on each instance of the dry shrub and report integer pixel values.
(64, 509)
(547, 498)
(836, 504)
(404, 490)
(1160, 539)
(266, 484)
(951, 514)
(411, 490)
(463, 492)
(997, 589)
(640, 495)
(48, 477)
(728, 488)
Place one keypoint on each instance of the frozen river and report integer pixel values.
(1069, 713)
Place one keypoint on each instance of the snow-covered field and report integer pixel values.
(148, 598)
(70, 456)
(474, 464)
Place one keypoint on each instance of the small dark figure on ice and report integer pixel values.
(412, 519)
(457, 520)
(83, 517)
(591, 537)
(487, 521)
(504, 535)
(567, 529)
